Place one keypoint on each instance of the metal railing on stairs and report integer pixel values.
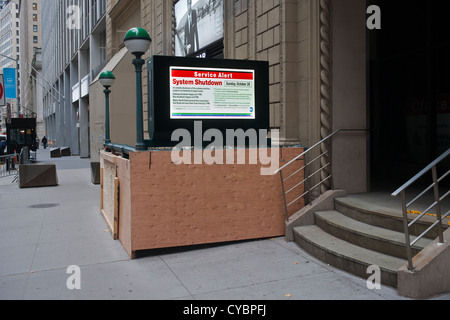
(432, 167)
(316, 170)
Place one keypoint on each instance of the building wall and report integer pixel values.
(316, 54)
(122, 107)
(10, 47)
(30, 16)
(30, 45)
(350, 150)
(37, 94)
(282, 32)
(73, 55)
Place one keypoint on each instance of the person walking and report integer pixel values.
(44, 142)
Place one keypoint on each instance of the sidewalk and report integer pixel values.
(43, 231)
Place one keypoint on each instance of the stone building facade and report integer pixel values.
(30, 59)
(9, 54)
(285, 33)
(331, 68)
(316, 51)
(73, 50)
(334, 64)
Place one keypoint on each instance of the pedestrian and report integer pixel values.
(44, 142)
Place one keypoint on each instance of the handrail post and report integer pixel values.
(407, 239)
(438, 204)
(284, 195)
(308, 180)
(308, 186)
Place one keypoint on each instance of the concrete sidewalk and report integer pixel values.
(43, 231)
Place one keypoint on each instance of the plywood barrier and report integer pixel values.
(109, 193)
(163, 204)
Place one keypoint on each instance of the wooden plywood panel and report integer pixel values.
(110, 193)
(177, 205)
(125, 217)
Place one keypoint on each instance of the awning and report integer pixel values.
(112, 64)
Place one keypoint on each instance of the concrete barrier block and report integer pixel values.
(37, 175)
(95, 172)
(55, 153)
(65, 152)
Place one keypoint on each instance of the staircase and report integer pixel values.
(356, 235)
(353, 235)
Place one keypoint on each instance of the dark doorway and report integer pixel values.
(409, 88)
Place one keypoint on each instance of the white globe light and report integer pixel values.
(107, 78)
(137, 40)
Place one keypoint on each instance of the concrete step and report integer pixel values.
(377, 215)
(365, 235)
(347, 256)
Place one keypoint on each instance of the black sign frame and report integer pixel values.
(160, 124)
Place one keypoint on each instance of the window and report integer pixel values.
(35, 39)
(35, 28)
(34, 17)
(34, 6)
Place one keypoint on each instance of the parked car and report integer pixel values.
(3, 144)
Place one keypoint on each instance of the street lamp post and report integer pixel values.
(137, 41)
(107, 79)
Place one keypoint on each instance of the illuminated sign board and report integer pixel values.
(222, 94)
(200, 93)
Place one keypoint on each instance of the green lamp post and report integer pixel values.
(137, 41)
(107, 79)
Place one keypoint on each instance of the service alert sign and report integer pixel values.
(205, 93)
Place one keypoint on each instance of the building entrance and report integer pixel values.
(408, 88)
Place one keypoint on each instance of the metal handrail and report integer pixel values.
(121, 148)
(307, 168)
(436, 204)
(421, 173)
